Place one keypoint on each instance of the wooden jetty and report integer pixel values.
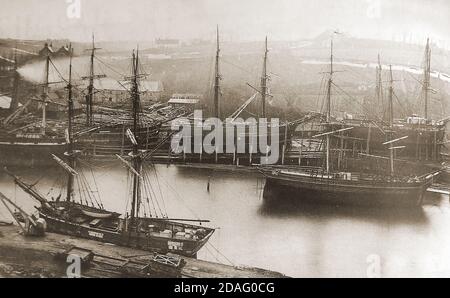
(26, 256)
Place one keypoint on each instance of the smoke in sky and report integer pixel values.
(144, 20)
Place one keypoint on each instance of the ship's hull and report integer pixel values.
(111, 141)
(23, 154)
(144, 240)
(313, 190)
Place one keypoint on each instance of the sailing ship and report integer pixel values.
(151, 233)
(424, 137)
(33, 143)
(101, 132)
(327, 184)
(247, 134)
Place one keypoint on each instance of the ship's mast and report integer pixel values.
(328, 109)
(426, 77)
(264, 82)
(45, 95)
(391, 117)
(70, 153)
(217, 80)
(391, 98)
(379, 87)
(15, 100)
(91, 77)
(137, 161)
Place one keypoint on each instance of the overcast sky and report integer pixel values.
(139, 20)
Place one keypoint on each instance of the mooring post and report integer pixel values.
(435, 151)
(368, 140)
(123, 139)
(300, 153)
(216, 157)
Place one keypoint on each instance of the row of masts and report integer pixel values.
(90, 88)
(136, 162)
(380, 97)
(263, 91)
(217, 91)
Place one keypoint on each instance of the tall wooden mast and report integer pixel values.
(45, 94)
(91, 77)
(391, 117)
(426, 77)
(328, 108)
(216, 112)
(379, 87)
(70, 152)
(391, 98)
(264, 82)
(137, 160)
(15, 100)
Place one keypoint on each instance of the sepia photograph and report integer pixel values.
(255, 140)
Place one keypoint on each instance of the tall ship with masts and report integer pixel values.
(423, 139)
(28, 139)
(87, 218)
(248, 133)
(101, 131)
(33, 143)
(380, 184)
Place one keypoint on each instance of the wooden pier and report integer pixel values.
(27, 256)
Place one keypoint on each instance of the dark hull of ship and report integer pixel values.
(312, 190)
(18, 154)
(112, 141)
(186, 247)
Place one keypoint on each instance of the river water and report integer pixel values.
(299, 241)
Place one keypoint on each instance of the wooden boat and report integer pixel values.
(340, 186)
(316, 186)
(31, 144)
(29, 152)
(68, 217)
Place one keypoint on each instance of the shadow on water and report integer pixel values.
(289, 207)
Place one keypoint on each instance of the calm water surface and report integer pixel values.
(299, 241)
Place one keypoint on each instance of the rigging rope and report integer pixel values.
(177, 196)
(218, 251)
(356, 100)
(109, 67)
(159, 188)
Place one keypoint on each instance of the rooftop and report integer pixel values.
(184, 101)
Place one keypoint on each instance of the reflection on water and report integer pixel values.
(393, 215)
(301, 240)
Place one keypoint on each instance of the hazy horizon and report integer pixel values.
(245, 20)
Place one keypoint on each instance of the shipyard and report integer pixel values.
(167, 141)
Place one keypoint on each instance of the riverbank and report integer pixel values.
(37, 257)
